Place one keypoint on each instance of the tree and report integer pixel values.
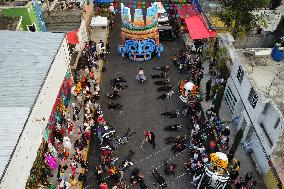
(238, 16)
(219, 96)
(222, 60)
(236, 142)
(218, 57)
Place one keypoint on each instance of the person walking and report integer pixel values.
(174, 58)
(208, 89)
(150, 137)
(140, 76)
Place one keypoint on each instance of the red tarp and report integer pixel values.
(187, 11)
(72, 37)
(197, 28)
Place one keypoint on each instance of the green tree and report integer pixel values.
(219, 96)
(236, 143)
(219, 58)
(238, 16)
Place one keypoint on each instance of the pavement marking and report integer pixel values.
(179, 176)
(160, 165)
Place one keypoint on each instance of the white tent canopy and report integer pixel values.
(188, 86)
(99, 21)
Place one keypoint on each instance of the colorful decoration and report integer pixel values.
(51, 162)
(188, 90)
(140, 39)
(215, 173)
(219, 159)
(181, 86)
(66, 143)
(78, 88)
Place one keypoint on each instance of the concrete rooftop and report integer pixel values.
(9, 23)
(266, 75)
(271, 17)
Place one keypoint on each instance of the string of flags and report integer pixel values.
(142, 4)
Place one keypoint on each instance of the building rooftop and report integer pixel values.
(63, 20)
(9, 23)
(271, 18)
(14, 3)
(266, 75)
(25, 59)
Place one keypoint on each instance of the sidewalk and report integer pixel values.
(247, 164)
(76, 131)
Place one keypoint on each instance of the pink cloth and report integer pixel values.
(52, 162)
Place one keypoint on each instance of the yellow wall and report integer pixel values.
(270, 181)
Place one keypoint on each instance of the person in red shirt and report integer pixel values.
(103, 186)
(150, 137)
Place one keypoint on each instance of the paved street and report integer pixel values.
(141, 111)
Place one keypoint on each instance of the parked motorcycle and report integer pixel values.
(127, 162)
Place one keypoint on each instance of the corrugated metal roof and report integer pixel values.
(12, 122)
(25, 58)
(24, 61)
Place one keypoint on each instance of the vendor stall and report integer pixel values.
(99, 21)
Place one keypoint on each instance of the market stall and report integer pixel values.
(99, 21)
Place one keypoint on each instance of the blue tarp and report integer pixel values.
(102, 1)
(277, 54)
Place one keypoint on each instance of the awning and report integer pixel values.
(187, 10)
(72, 37)
(198, 29)
(99, 21)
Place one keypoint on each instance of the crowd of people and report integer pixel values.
(66, 153)
(201, 143)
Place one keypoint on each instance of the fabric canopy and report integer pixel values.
(72, 37)
(198, 29)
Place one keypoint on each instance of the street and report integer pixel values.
(141, 111)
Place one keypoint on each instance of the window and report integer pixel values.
(230, 100)
(240, 74)
(252, 98)
(277, 123)
(266, 134)
(265, 108)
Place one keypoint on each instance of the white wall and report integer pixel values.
(241, 92)
(82, 36)
(269, 120)
(244, 90)
(258, 154)
(26, 151)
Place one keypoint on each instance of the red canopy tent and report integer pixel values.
(72, 37)
(197, 28)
